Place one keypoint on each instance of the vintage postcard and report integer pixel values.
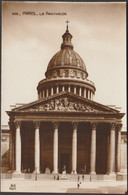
(63, 126)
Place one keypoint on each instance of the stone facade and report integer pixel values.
(65, 127)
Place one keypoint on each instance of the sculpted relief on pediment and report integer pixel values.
(63, 104)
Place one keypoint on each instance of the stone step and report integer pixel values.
(72, 177)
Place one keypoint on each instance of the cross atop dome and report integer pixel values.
(67, 23)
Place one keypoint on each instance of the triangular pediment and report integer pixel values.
(65, 102)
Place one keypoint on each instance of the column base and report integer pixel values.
(73, 172)
(17, 172)
(92, 173)
(111, 173)
(54, 172)
(121, 176)
(93, 176)
(36, 172)
(118, 172)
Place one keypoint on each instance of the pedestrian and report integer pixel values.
(54, 177)
(78, 178)
(35, 173)
(58, 177)
(78, 184)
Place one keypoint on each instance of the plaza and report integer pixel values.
(64, 186)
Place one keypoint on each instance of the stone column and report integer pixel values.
(18, 147)
(74, 148)
(37, 147)
(43, 93)
(39, 95)
(74, 89)
(55, 148)
(11, 146)
(69, 88)
(57, 89)
(51, 91)
(90, 94)
(108, 148)
(84, 93)
(111, 157)
(119, 126)
(80, 91)
(63, 88)
(47, 92)
(93, 149)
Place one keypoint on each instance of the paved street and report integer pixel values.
(115, 187)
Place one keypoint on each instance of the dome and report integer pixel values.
(67, 57)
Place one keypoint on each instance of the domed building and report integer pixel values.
(66, 72)
(65, 129)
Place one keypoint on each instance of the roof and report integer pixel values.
(67, 57)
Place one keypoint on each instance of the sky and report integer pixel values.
(31, 38)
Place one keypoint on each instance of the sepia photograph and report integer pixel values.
(63, 97)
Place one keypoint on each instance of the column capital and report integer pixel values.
(93, 125)
(36, 124)
(75, 125)
(119, 126)
(55, 125)
(112, 126)
(17, 124)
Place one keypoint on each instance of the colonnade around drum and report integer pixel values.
(81, 91)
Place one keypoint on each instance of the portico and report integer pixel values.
(45, 140)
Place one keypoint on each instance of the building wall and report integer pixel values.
(5, 149)
(124, 152)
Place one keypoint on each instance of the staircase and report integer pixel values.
(69, 177)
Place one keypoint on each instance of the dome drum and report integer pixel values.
(66, 72)
(47, 83)
(50, 88)
(49, 91)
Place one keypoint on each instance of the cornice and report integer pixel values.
(61, 81)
